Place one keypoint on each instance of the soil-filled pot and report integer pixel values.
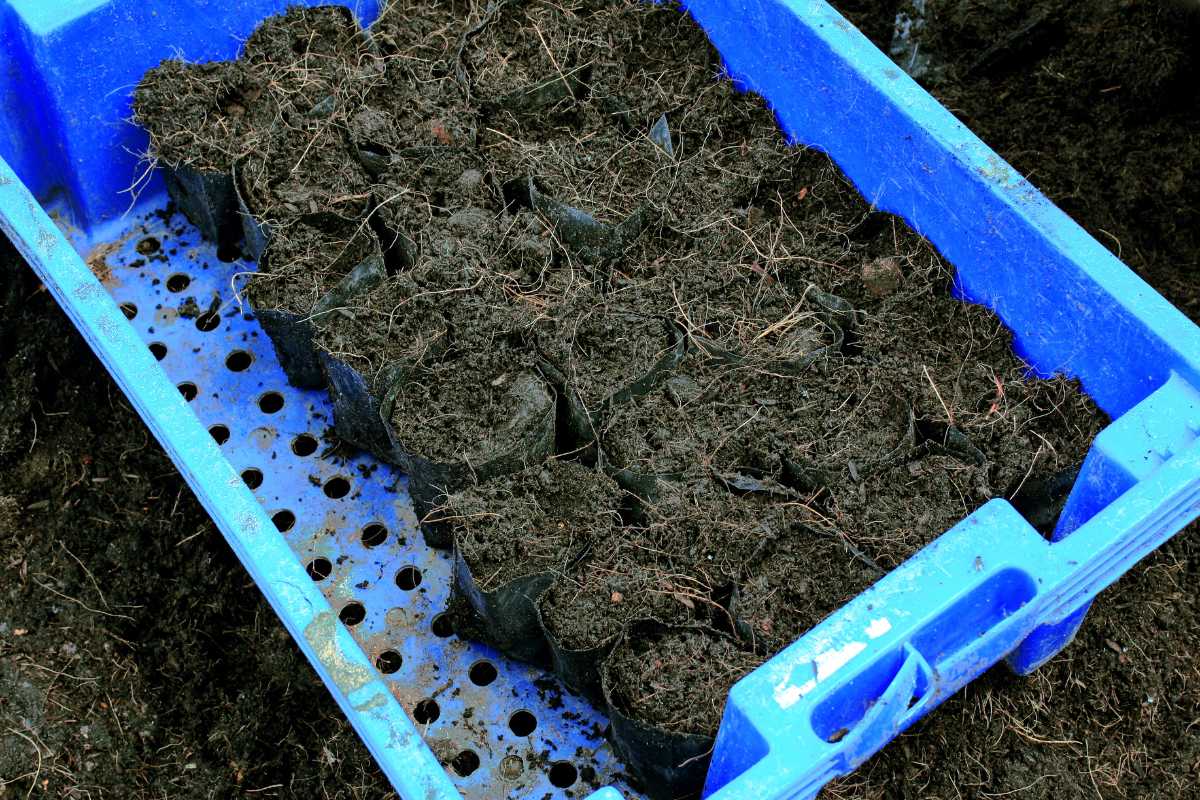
(519, 423)
(304, 276)
(665, 690)
(507, 613)
(601, 356)
(796, 578)
(579, 669)
(709, 418)
(583, 614)
(678, 565)
(514, 535)
(479, 410)
(882, 415)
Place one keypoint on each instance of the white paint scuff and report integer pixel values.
(878, 627)
(825, 664)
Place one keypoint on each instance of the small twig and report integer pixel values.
(1032, 464)
(38, 769)
(82, 604)
(946, 408)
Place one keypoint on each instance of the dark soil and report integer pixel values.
(472, 406)
(539, 520)
(671, 680)
(1110, 717)
(1095, 101)
(306, 264)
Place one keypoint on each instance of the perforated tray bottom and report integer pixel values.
(499, 728)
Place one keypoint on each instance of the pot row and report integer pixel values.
(667, 763)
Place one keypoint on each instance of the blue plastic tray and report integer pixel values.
(80, 206)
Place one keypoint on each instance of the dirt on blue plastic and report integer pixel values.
(143, 668)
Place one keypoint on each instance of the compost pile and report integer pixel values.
(1095, 101)
(670, 388)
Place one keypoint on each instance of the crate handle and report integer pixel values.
(887, 711)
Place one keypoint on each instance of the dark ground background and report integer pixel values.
(137, 659)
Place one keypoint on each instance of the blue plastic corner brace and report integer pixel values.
(989, 589)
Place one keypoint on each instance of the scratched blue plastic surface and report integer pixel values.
(989, 589)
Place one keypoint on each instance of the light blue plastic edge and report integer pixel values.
(1072, 305)
(350, 677)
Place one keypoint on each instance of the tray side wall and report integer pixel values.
(1073, 307)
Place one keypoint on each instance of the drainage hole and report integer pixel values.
(442, 626)
(563, 774)
(337, 488)
(158, 350)
(408, 578)
(270, 402)
(389, 661)
(465, 763)
(129, 310)
(178, 282)
(304, 445)
(220, 434)
(239, 361)
(208, 321)
(522, 723)
(284, 520)
(482, 673)
(319, 569)
(188, 390)
(374, 535)
(352, 613)
(148, 246)
(427, 711)
(253, 477)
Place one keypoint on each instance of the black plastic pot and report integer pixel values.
(667, 764)
(358, 418)
(508, 613)
(293, 334)
(578, 669)
(362, 418)
(209, 201)
(579, 423)
(255, 233)
(581, 233)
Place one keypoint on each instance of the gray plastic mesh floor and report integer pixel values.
(500, 729)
